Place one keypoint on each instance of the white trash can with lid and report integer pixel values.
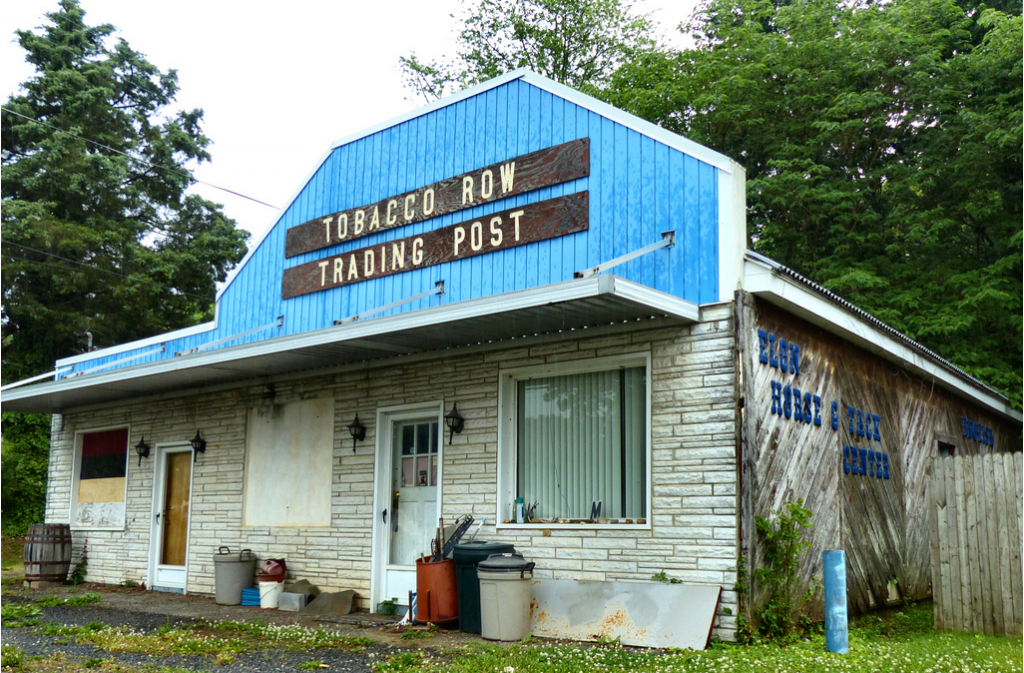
(505, 581)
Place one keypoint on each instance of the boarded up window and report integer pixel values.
(101, 463)
(288, 467)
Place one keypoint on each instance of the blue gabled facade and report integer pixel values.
(642, 182)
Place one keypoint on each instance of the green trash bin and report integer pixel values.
(467, 555)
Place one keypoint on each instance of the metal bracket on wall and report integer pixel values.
(668, 239)
(277, 323)
(160, 349)
(438, 289)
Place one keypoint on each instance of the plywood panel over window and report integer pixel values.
(100, 473)
(289, 449)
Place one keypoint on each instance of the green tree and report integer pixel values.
(882, 143)
(576, 42)
(98, 233)
(100, 242)
(24, 452)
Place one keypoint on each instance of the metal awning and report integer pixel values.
(570, 305)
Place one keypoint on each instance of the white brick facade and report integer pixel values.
(693, 534)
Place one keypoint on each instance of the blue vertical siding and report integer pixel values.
(638, 188)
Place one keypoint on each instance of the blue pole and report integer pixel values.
(836, 632)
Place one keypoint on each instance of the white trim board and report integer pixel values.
(763, 281)
(732, 231)
(603, 285)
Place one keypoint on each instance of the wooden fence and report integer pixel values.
(976, 537)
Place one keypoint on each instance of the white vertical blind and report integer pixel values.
(582, 439)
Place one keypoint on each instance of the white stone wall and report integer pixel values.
(693, 536)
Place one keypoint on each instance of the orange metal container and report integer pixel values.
(436, 599)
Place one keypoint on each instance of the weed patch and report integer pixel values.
(222, 641)
(415, 634)
(781, 536)
(12, 612)
(81, 600)
(12, 658)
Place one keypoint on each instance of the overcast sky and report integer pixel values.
(278, 82)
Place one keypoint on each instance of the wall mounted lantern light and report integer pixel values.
(453, 419)
(198, 445)
(358, 432)
(142, 448)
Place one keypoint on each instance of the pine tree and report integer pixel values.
(99, 236)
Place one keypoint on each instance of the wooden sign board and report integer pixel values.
(489, 233)
(543, 168)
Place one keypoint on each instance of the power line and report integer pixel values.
(137, 160)
(93, 267)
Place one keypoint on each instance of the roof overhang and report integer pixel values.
(571, 305)
(763, 278)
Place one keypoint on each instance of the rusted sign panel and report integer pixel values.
(498, 231)
(645, 614)
(543, 168)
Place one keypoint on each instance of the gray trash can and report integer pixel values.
(505, 581)
(467, 585)
(232, 573)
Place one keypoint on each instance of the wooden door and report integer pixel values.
(175, 511)
(172, 497)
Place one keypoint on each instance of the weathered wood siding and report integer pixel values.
(977, 534)
(880, 518)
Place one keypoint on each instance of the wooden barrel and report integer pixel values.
(48, 552)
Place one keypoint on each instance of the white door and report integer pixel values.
(408, 497)
(172, 506)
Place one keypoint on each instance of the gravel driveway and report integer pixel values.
(149, 611)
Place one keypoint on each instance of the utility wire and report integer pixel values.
(135, 159)
(94, 267)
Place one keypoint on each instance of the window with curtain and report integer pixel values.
(582, 439)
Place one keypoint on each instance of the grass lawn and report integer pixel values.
(901, 642)
(12, 551)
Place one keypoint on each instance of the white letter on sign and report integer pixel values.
(496, 234)
(417, 250)
(476, 236)
(515, 216)
(508, 171)
(467, 190)
(398, 255)
(487, 184)
(323, 272)
(460, 236)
